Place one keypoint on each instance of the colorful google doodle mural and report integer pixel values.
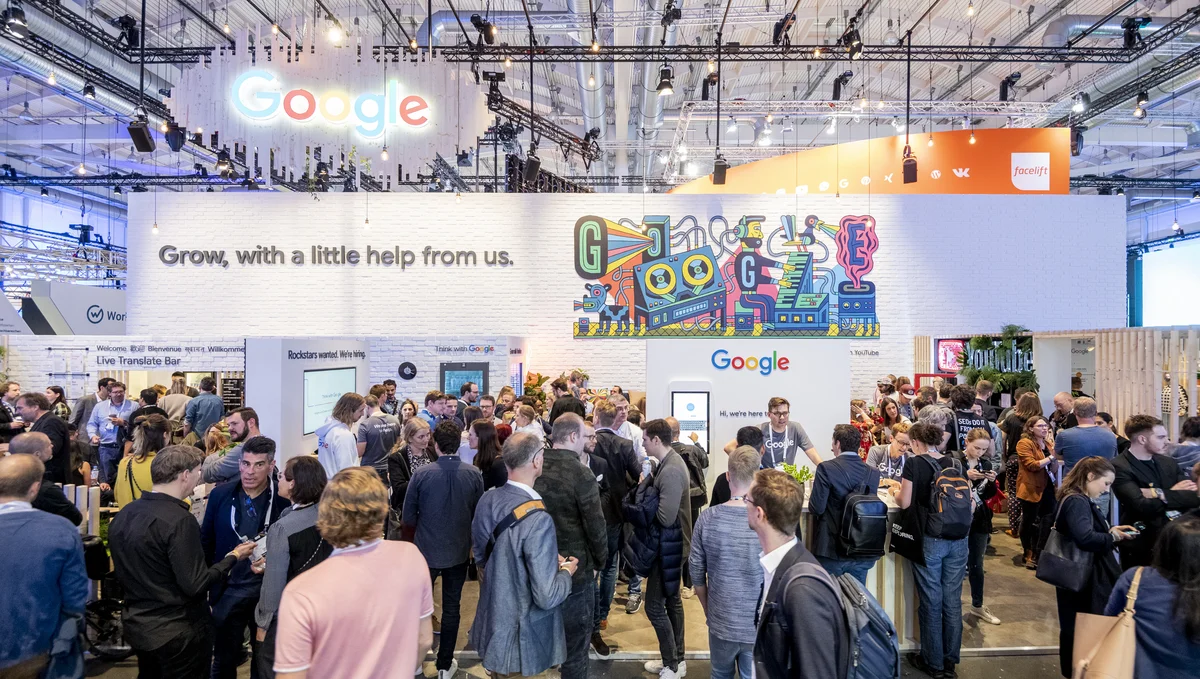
(726, 278)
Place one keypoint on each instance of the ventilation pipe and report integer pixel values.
(591, 99)
(652, 104)
(1066, 27)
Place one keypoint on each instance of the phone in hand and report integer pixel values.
(1139, 526)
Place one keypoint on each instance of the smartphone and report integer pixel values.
(1139, 526)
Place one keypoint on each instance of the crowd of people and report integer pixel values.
(326, 559)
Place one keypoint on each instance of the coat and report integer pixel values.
(217, 535)
(801, 630)
(649, 541)
(1131, 478)
(518, 624)
(1080, 521)
(1033, 478)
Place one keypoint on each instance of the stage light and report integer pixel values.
(89, 91)
(832, 127)
(412, 44)
(14, 20)
(770, 118)
(164, 127)
(1008, 85)
(682, 151)
(507, 61)
(51, 80)
(666, 84)
(840, 82)
(780, 32)
(1195, 195)
(1120, 191)
(662, 158)
(595, 46)
(117, 190)
(335, 31)
(383, 155)
(275, 29)
(1139, 112)
(970, 8)
(45, 192)
(720, 167)
(226, 27)
(486, 28)
(691, 169)
(1077, 107)
(1143, 98)
(712, 66)
(81, 170)
(732, 126)
(223, 160)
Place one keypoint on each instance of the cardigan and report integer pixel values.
(1033, 478)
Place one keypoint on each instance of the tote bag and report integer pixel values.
(1105, 646)
(1062, 563)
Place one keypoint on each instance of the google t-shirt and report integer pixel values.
(781, 447)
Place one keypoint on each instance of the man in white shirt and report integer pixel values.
(624, 428)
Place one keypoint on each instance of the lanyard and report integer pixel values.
(266, 519)
(891, 470)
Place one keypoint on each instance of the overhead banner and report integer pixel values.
(1034, 161)
(726, 276)
(54, 308)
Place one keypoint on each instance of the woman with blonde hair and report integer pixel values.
(526, 421)
(412, 452)
(337, 447)
(216, 440)
(152, 433)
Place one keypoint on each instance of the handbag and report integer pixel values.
(996, 503)
(1062, 563)
(908, 536)
(1105, 646)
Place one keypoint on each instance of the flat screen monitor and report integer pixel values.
(454, 375)
(691, 409)
(322, 389)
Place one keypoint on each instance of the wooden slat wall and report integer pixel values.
(922, 354)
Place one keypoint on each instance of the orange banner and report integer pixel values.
(1022, 161)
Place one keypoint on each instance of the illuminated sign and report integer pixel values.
(259, 95)
(765, 365)
(947, 354)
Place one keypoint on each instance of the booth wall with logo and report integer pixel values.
(972, 263)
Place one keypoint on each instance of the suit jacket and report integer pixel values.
(1131, 478)
(217, 535)
(801, 630)
(82, 412)
(625, 469)
(1033, 478)
(60, 445)
(573, 500)
(608, 501)
(835, 480)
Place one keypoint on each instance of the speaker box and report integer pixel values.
(720, 167)
(910, 170)
(176, 137)
(532, 165)
(143, 140)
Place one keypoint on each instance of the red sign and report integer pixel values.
(947, 354)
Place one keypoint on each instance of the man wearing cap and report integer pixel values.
(904, 398)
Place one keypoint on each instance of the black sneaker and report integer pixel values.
(948, 670)
(599, 646)
(918, 663)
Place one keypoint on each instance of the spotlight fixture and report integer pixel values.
(383, 154)
(412, 44)
(1143, 98)
(1082, 103)
(507, 60)
(691, 169)
(840, 82)
(51, 80)
(780, 32)
(720, 167)
(666, 84)
(712, 66)
(89, 91)
(274, 29)
(682, 151)
(1139, 112)
(45, 192)
(1008, 85)
(709, 82)
(1195, 195)
(1120, 191)
(595, 46)
(970, 8)
(223, 160)
(14, 20)
(1077, 139)
(732, 127)
(486, 28)
(117, 190)
(322, 170)
(164, 127)
(1131, 30)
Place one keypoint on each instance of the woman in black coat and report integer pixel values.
(979, 471)
(1080, 521)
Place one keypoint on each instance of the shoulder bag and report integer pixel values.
(1062, 563)
(1105, 646)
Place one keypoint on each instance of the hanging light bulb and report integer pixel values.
(367, 222)
(412, 44)
(595, 45)
(770, 117)
(890, 38)
(507, 61)
(863, 103)
(275, 29)
(226, 27)
(591, 80)
(1139, 112)
(732, 127)
(832, 127)
(335, 32)
(154, 229)
(81, 170)
(163, 128)
(1175, 225)
(930, 139)
(383, 155)
(712, 66)
(816, 51)
(457, 197)
(972, 139)
(51, 80)
(970, 8)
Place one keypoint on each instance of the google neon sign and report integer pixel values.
(257, 95)
(765, 365)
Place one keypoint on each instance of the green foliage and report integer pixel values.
(801, 474)
(1012, 338)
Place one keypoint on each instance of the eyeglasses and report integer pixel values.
(779, 413)
(748, 500)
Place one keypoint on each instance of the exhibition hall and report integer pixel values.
(354, 339)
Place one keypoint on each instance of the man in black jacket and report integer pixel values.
(624, 472)
(801, 629)
(1149, 487)
(835, 481)
(34, 409)
(572, 498)
(160, 563)
(50, 497)
(613, 520)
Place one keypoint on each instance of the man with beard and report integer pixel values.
(243, 425)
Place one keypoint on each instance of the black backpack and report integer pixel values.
(864, 528)
(950, 513)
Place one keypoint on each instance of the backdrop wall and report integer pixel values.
(972, 263)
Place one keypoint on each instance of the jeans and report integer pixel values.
(265, 657)
(1037, 518)
(187, 656)
(665, 612)
(452, 585)
(726, 656)
(939, 593)
(608, 578)
(577, 624)
(110, 457)
(856, 567)
(976, 545)
(233, 616)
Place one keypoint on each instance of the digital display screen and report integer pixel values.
(691, 409)
(454, 375)
(322, 389)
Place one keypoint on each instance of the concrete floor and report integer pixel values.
(1025, 606)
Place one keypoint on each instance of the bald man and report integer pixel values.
(1063, 416)
(50, 497)
(42, 563)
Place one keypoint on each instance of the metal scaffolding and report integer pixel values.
(28, 254)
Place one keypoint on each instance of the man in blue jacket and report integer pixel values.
(239, 511)
(837, 479)
(42, 562)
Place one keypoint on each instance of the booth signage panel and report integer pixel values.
(161, 355)
(86, 310)
(11, 322)
(813, 375)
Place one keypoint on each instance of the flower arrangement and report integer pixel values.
(534, 383)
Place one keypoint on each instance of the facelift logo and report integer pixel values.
(95, 314)
(257, 95)
(765, 365)
(1031, 171)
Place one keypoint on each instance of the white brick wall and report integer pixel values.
(960, 263)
